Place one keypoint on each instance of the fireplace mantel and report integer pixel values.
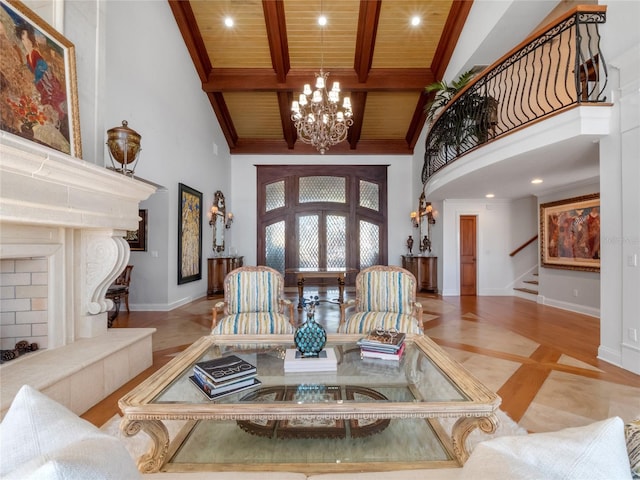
(75, 214)
(41, 186)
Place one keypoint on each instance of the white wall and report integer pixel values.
(568, 289)
(495, 239)
(620, 195)
(524, 226)
(514, 19)
(151, 82)
(243, 199)
(132, 65)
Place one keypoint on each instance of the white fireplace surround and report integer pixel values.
(74, 214)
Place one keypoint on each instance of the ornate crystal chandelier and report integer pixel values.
(317, 116)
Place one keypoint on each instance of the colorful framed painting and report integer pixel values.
(137, 239)
(189, 234)
(570, 233)
(39, 95)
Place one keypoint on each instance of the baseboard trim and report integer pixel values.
(572, 307)
(610, 356)
(162, 307)
(630, 358)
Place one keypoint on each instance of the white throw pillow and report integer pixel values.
(41, 439)
(596, 451)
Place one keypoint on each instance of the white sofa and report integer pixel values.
(41, 439)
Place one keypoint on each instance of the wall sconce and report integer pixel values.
(431, 215)
(414, 219)
(213, 214)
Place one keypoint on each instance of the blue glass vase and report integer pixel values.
(310, 338)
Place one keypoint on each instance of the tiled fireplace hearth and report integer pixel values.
(66, 218)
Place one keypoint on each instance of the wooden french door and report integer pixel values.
(468, 269)
(321, 216)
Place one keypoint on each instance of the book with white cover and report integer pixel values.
(325, 362)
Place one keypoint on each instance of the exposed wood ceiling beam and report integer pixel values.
(449, 39)
(262, 79)
(366, 37)
(452, 29)
(417, 121)
(191, 34)
(284, 103)
(224, 118)
(277, 35)
(274, 19)
(358, 103)
(278, 147)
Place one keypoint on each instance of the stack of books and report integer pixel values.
(295, 362)
(383, 344)
(223, 376)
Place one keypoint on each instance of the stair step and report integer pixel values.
(527, 290)
(532, 282)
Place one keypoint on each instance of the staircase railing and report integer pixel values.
(523, 246)
(559, 67)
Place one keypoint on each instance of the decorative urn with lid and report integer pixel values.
(124, 147)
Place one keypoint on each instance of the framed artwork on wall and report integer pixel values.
(570, 233)
(189, 234)
(137, 239)
(39, 95)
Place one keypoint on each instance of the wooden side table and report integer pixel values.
(425, 269)
(337, 273)
(218, 267)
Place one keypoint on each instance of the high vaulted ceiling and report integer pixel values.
(252, 71)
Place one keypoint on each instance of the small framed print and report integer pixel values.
(137, 239)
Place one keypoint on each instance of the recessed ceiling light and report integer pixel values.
(535, 181)
(228, 21)
(322, 20)
(489, 195)
(415, 20)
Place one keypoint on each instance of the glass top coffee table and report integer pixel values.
(368, 415)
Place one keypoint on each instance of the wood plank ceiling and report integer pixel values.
(252, 71)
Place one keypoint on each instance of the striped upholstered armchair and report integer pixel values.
(385, 298)
(253, 303)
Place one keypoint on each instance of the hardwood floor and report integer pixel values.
(541, 360)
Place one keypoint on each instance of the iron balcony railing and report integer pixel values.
(559, 67)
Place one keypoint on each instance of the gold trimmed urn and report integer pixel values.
(124, 147)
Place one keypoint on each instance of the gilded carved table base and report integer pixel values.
(152, 461)
(463, 427)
